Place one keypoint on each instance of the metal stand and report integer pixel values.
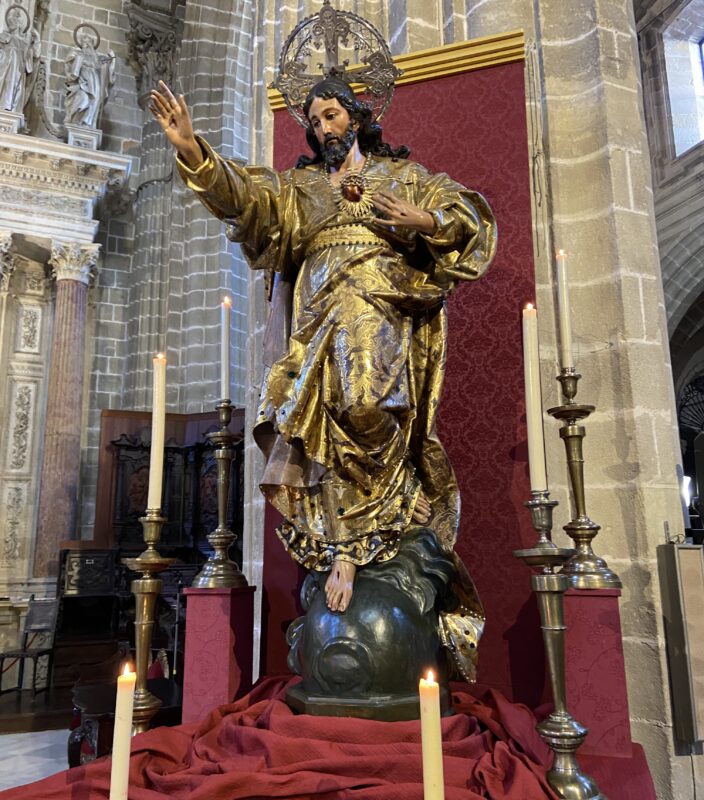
(219, 572)
(146, 590)
(560, 731)
(585, 570)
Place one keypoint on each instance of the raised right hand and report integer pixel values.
(175, 121)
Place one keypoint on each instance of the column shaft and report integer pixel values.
(58, 493)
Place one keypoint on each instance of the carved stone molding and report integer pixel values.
(153, 44)
(15, 503)
(34, 284)
(29, 325)
(20, 431)
(7, 260)
(49, 189)
(73, 261)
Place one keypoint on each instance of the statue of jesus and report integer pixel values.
(370, 245)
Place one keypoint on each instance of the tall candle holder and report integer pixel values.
(146, 590)
(559, 730)
(219, 572)
(585, 570)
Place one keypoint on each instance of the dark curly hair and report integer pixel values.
(368, 134)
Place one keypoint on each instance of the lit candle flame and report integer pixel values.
(227, 301)
(561, 253)
(160, 356)
(529, 306)
(127, 671)
(430, 677)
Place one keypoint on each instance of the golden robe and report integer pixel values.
(351, 389)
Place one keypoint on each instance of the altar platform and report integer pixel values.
(257, 747)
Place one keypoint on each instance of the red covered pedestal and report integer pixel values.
(595, 671)
(218, 654)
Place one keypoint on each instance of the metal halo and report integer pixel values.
(374, 74)
(24, 11)
(90, 27)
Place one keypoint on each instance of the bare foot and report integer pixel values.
(422, 510)
(339, 585)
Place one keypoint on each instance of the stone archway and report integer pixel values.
(683, 277)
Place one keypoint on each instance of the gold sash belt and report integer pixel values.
(341, 235)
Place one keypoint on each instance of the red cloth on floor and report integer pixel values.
(257, 748)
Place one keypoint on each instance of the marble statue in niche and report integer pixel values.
(89, 78)
(19, 54)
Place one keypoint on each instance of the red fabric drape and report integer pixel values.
(257, 748)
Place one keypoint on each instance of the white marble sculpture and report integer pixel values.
(89, 77)
(19, 54)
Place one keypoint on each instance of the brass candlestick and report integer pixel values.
(219, 571)
(585, 570)
(146, 590)
(559, 730)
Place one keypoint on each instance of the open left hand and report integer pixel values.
(398, 212)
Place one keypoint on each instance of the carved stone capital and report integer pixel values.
(73, 261)
(153, 43)
(7, 260)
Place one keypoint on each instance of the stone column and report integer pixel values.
(72, 264)
(153, 44)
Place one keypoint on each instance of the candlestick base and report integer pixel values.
(145, 707)
(219, 571)
(146, 590)
(585, 569)
(564, 736)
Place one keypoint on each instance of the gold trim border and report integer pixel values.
(436, 62)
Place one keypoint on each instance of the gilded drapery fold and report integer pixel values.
(356, 350)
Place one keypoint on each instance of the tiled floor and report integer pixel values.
(27, 757)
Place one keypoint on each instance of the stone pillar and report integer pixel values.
(153, 45)
(72, 265)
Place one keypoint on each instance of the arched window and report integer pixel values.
(682, 40)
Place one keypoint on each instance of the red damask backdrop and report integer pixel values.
(472, 126)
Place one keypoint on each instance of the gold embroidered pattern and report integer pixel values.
(313, 553)
(354, 233)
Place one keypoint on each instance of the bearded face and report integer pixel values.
(336, 147)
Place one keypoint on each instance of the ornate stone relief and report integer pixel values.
(34, 284)
(15, 504)
(29, 329)
(49, 189)
(7, 260)
(73, 261)
(45, 201)
(63, 175)
(21, 416)
(152, 42)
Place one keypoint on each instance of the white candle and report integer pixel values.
(563, 313)
(225, 308)
(122, 736)
(156, 459)
(534, 404)
(431, 737)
